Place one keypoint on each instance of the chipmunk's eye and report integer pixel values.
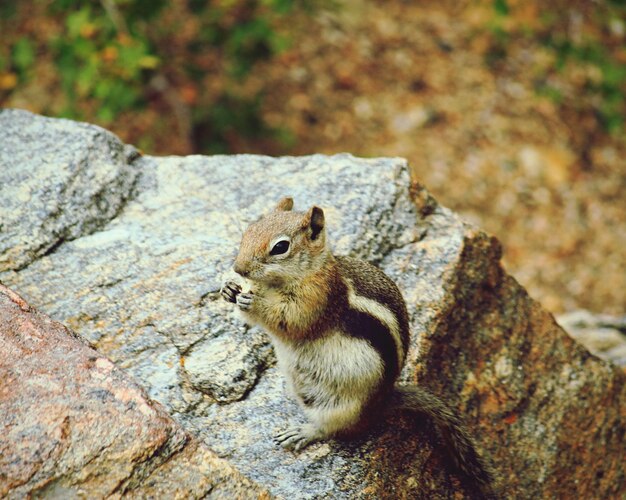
(280, 247)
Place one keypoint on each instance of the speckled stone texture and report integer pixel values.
(75, 426)
(143, 289)
(58, 180)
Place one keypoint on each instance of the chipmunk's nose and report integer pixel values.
(241, 269)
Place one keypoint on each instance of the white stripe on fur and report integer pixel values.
(381, 313)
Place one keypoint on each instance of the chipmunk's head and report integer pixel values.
(283, 245)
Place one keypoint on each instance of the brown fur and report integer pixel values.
(302, 311)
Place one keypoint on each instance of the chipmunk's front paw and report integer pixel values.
(245, 301)
(230, 290)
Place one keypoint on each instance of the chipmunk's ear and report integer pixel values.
(284, 205)
(314, 219)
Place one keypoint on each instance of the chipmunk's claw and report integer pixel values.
(297, 438)
(245, 301)
(230, 290)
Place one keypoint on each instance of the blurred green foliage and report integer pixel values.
(114, 56)
(586, 42)
(96, 61)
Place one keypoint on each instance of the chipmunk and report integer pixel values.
(340, 330)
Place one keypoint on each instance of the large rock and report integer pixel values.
(143, 290)
(58, 180)
(74, 425)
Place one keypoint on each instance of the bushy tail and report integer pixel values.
(460, 445)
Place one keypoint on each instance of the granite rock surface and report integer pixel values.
(82, 180)
(75, 426)
(143, 288)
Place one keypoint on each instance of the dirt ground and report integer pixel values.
(410, 79)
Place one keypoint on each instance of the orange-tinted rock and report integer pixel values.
(550, 415)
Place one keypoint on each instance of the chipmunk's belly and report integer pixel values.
(337, 372)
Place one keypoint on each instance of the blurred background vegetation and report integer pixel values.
(109, 61)
(510, 111)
